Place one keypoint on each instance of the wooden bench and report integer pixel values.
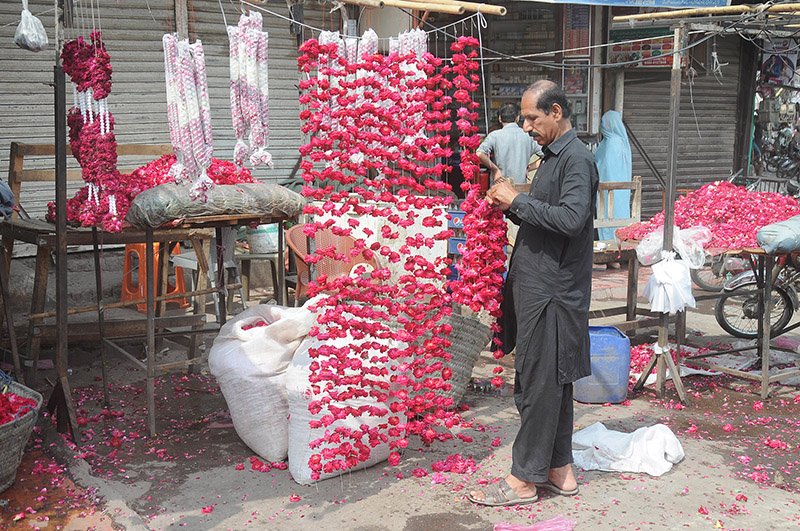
(605, 198)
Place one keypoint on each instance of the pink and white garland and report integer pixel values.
(189, 113)
(249, 59)
(389, 100)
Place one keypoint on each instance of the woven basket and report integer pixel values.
(468, 338)
(14, 435)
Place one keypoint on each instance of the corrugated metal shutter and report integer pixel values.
(132, 31)
(707, 104)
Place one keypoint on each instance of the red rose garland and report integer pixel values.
(400, 95)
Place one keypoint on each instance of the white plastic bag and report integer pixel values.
(652, 450)
(250, 365)
(687, 242)
(30, 33)
(670, 286)
(649, 250)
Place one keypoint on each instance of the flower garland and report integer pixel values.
(364, 120)
(189, 113)
(482, 265)
(91, 129)
(732, 214)
(249, 57)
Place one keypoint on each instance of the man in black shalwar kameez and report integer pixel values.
(547, 295)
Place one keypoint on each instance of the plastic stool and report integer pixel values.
(132, 292)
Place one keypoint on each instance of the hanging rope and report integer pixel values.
(481, 24)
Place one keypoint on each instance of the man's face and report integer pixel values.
(542, 127)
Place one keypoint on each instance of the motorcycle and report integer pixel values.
(736, 310)
(718, 270)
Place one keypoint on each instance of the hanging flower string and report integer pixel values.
(249, 56)
(482, 265)
(91, 129)
(189, 113)
(364, 120)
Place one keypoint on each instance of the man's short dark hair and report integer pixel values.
(508, 112)
(549, 93)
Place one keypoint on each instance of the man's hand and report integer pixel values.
(498, 175)
(502, 194)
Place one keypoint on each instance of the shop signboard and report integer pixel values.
(778, 61)
(641, 47)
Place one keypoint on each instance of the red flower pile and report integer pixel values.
(383, 133)
(732, 214)
(12, 405)
(151, 174)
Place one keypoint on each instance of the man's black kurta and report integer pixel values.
(552, 258)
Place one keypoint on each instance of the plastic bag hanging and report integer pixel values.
(30, 33)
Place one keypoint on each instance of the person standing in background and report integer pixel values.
(511, 146)
(613, 158)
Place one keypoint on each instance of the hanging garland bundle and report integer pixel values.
(189, 113)
(91, 129)
(482, 264)
(250, 90)
(378, 128)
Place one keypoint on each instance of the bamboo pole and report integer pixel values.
(723, 10)
(366, 3)
(468, 6)
(407, 4)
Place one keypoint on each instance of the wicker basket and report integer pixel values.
(468, 338)
(14, 435)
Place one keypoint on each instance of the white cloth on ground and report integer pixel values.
(652, 450)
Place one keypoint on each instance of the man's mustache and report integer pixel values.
(534, 134)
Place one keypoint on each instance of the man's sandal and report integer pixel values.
(549, 485)
(500, 494)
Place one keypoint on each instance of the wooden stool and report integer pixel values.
(132, 292)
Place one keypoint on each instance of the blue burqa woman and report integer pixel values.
(613, 157)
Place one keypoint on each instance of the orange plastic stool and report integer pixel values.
(132, 292)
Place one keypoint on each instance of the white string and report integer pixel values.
(692, 73)
(481, 23)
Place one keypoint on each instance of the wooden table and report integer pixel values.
(197, 230)
(764, 267)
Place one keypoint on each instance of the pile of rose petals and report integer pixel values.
(732, 213)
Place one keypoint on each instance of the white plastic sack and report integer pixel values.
(687, 242)
(250, 366)
(780, 237)
(30, 34)
(670, 286)
(652, 450)
(300, 395)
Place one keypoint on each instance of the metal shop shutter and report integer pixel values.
(707, 126)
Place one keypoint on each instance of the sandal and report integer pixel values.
(549, 485)
(500, 494)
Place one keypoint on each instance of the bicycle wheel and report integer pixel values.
(737, 311)
(712, 276)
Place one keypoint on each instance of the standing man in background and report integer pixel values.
(546, 300)
(511, 146)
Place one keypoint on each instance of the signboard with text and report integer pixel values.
(641, 47)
